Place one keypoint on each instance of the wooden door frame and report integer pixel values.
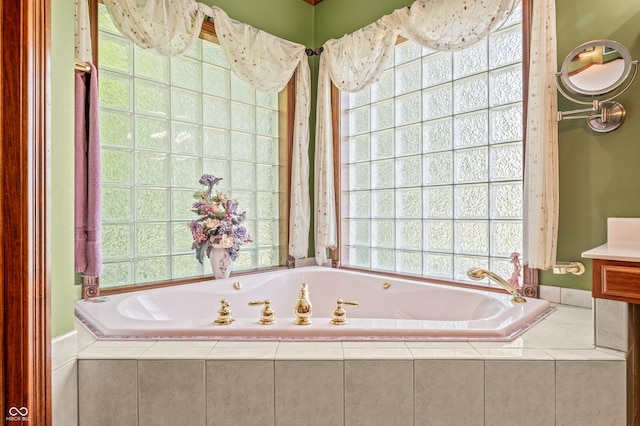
(25, 359)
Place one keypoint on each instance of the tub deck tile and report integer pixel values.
(106, 352)
(438, 345)
(317, 402)
(448, 392)
(520, 393)
(247, 344)
(585, 355)
(549, 335)
(516, 354)
(309, 353)
(178, 350)
(373, 353)
(444, 353)
(242, 353)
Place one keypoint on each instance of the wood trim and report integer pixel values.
(208, 32)
(527, 6)
(530, 282)
(287, 111)
(25, 360)
(336, 113)
(93, 23)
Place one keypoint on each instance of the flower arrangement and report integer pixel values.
(219, 222)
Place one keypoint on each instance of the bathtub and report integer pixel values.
(389, 308)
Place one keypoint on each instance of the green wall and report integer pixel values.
(63, 290)
(289, 19)
(335, 18)
(599, 174)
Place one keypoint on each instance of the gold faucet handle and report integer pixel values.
(267, 316)
(339, 316)
(224, 314)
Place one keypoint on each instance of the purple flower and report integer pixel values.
(240, 233)
(209, 180)
(231, 206)
(195, 226)
(234, 251)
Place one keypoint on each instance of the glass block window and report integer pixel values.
(431, 162)
(164, 122)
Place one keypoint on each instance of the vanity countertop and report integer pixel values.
(623, 241)
(629, 252)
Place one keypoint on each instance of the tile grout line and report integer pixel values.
(484, 390)
(413, 366)
(275, 388)
(138, 390)
(206, 390)
(344, 391)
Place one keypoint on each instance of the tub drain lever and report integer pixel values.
(339, 316)
(224, 314)
(267, 316)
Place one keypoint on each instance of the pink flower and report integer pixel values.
(199, 236)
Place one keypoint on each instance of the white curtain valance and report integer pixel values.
(265, 61)
(168, 26)
(447, 25)
(357, 60)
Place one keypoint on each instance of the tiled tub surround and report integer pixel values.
(403, 308)
(550, 375)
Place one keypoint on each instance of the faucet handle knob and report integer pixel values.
(339, 316)
(267, 316)
(224, 314)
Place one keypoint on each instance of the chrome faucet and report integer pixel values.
(477, 274)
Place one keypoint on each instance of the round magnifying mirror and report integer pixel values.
(595, 68)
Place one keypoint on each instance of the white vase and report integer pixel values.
(221, 262)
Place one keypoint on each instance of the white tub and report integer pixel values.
(406, 310)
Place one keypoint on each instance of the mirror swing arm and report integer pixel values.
(604, 115)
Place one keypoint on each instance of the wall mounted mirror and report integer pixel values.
(595, 73)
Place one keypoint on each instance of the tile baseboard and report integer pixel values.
(566, 296)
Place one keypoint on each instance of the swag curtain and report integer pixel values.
(268, 62)
(265, 61)
(83, 31)
(541, 163)
(357, 60)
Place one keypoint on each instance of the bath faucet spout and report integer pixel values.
(302, 309)
(477, 274)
